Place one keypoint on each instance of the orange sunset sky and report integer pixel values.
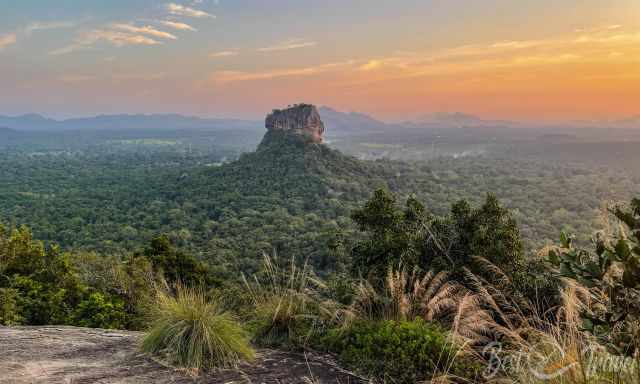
(521, 60)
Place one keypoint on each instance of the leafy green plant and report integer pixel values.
(399, 352)
(100, 311)
(40, 284)
(192, 331)
(612, 275)
(413, 237)
(9, 311)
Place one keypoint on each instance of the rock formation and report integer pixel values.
(51, 355)
(301, 120)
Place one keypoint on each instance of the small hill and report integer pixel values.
(294, 190)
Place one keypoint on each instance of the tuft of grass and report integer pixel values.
(288, 306)
(191, 331)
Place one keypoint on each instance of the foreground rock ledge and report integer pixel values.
(81, 355)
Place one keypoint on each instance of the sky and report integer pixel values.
(527, 60)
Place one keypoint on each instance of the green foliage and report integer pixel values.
(39, 284)
(9, 310)
(192, 331)
(412, 237)
(288, 197)
(98, 311)
(394, 235)
(175, 266)
(398, 352)
(612, 273)
(489, 232)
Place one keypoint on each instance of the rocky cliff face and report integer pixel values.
(301, 120)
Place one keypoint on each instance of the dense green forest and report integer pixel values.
(284, 197)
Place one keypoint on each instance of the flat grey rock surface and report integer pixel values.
(79, 355)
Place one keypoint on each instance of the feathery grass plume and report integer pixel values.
(406, 296)
(192, 331)
(288, 304)
(541, 348)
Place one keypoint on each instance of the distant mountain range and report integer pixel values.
(457, 120)
(349, 122)
(35, 122)
(337, 123)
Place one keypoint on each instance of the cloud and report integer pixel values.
(178, 26)
(140, 76)
(574, 58)
(76, 78)
(223, 54)
(115, 38)
(371, 65)
(222, 77)
(80, 78)
(7, 40)
(44, 26)
(288, 44)
(600, 38)
(146, 30)
(501, 63)
(181, 10)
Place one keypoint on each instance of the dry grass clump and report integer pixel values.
(522, 346)
(405, 296)
(289, 308)
(190, 330)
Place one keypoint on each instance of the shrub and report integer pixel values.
(175, 265)
(611, 272)
(9, 311)
(191, 331)
(288, 308)
(398, 352)
(100, 311)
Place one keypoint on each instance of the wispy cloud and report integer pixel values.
(146, 30)
(114, 38)
(223, 77)
(594, 46)
(140, 76)
(48, 25)
(72, 79)
(177, 25)
(487, 63)
(288, 44)
(223, 54)
(82, 78)
(181, 10)
(7, 40)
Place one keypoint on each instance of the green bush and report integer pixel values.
(100, 311)
(191, 331)
(9, 311)
(398, 352)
